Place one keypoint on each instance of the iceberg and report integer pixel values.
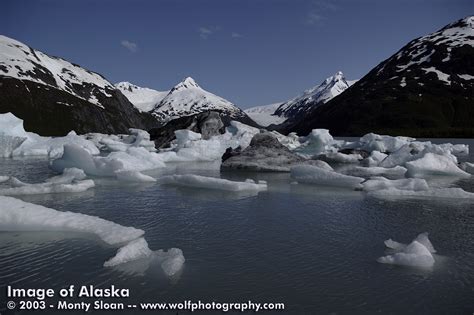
(416, 254)
(309, 174)
(434, 164)
(17, 215)
(213, 183)
(431, 193)
(468, 167)
(382, 183)
(71, 181)
(397, 171)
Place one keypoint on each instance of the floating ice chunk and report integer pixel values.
(432, 193)
(134, 159)
(4, 178)
(8, 144)
(417, 254)
(337, 157)
(374, 159)
(134, 176)
(318, 141)
(136, 249)
(397, 171)
(172, 261)
(69, 182)
(414, 255)
(468, 167)
(213, 183)
(374, 142)
(11, 125)
(381, 183)
(75, 156)
(184, 136)
(434, 164)
(17, 215)
(309, 174)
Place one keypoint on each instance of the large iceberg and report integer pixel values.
(416, 254)
(17, 215)
(213, 183)
(434, 164)
(309, 174)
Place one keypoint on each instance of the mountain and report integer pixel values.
(54, 96)
(144, 99)
(187, 99)
(425, 89)
(265, 115)
(311, 98)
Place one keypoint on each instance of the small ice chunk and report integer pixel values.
(432, 193)
(134, 176)
(434, 164)
(397, 171)
(310, 174)
(136, 249)
(338, 157)
(172, 261)
(381, 183)
(198, 181)
(414, 255)
(71, 181)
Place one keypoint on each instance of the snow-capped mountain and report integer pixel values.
(425, 89)
(264, 115)
(309, 99)
(54, 96)
(187, 98)
(144, 99)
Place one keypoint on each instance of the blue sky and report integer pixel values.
(252, 52)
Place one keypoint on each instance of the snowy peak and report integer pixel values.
(19, 61)
(144, 99)
(187, 98)
(187, 83)
(320, 94)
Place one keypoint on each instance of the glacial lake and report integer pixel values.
(312, 248)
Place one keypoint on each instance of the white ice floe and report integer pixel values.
(318, 141)
(72, 181)
(434, 164)
(432, 193)
(374, 159)
(134, 176)
(416, 254)
(121, 142)
(309, 174)
(381, 183)
(133, 159)
(17, 215)
(397, 171)
(15, 141)
(213, 183)
(337, 157)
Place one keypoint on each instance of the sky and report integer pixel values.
(251, 52)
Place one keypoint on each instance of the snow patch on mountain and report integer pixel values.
(187, 98)
(19, 61)
(264, 115)
(144, 99)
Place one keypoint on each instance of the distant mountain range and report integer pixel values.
(54, 96)
(425, 89)
(299, 106)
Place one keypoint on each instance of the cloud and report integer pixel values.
(206, 32)
(132, 47)
(236, 35)
(318, 11)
